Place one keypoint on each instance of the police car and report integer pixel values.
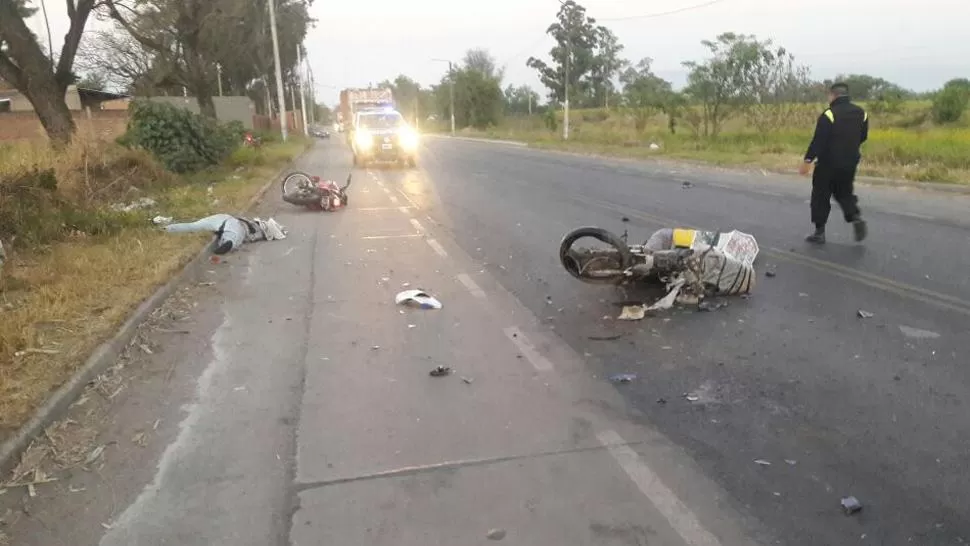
(383, 135)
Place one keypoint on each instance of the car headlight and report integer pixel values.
(364, 139)
(409, 139)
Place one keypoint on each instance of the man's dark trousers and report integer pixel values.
(828, 182)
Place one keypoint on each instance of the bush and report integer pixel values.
(182, 141)
(949, 104)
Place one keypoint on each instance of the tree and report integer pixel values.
(520, 100)
(644, 93)
(25, 65)
(722, 83)
(478, 91)
(864, 87)
(951, 102)
(190, 38)
(774, 84)
(575, 53)
(607, 65)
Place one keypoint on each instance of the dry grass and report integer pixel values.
(59, 301)
(902, 145)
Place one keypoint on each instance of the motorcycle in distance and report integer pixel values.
(689, 264)
(312, 192)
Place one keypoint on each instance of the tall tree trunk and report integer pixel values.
(51, 109)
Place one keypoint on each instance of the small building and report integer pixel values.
(77, 99)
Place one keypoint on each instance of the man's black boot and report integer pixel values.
(859, 228)
(817, 237)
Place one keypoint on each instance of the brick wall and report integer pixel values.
(106, 124)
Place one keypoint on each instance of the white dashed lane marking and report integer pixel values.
(436, 246)
(678, 515)
(471, 285)
(527, 349)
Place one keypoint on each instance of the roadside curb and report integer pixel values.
(108, 352)
(941, 187)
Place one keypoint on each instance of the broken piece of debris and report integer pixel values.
(851, 505)
(440, 371)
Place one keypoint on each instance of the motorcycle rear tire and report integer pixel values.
(600, 234)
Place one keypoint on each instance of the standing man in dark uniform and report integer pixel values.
(839, 132)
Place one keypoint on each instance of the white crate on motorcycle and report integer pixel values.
(739, 246)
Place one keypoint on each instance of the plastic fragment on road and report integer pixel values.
(632, 312)
(623, 378)
(851, 505)
(417, 298)
(762, 462)
(667, 301)
(865, 314)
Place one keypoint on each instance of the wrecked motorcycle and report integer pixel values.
(690, 264)
(314, 193)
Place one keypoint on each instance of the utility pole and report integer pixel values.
(219, 73)
(281, 94)
(451, 91)
(569, 54)
(530, 102)
(299, 63)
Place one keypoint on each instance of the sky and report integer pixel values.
(357, 43)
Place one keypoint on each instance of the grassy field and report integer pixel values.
(61, 294)
(902, 144)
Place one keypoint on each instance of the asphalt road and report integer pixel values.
(287, 400)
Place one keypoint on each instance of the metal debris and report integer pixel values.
(851, 505)
(623, 377)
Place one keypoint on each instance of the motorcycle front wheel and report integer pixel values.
(578, 262)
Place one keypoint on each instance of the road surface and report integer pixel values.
(295, 406)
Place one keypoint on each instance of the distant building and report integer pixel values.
(77, 99)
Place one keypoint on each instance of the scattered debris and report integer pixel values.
(32, 351)
(762, 462)
(417, 298)
(692, 397)
(686, 184)
(633, 312)
(916, 333)
(613, 337)
(467, 380)
(661, 401)
(707, 305)
(865, 314)
(625, 219)
(791, 462)
(94, 455)
(440, 371)
(623, 378)
(496, 534)
(770, 272)
(654, 146)
(851, 505)
(143, 203)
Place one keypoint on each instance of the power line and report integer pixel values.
(663, 13)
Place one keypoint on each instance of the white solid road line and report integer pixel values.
(405, 236)
(436, 246)
(527, 349)
(678, 515)
(472, 287)
(417, 225)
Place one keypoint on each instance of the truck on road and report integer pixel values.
(355, 100)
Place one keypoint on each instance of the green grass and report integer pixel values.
(68, 293)
(901, 145)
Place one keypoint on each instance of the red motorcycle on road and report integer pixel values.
(312, 192)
